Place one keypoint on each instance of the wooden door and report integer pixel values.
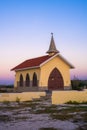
(55, 81)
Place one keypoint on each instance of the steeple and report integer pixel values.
(52, 48)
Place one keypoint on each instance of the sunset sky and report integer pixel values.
(25, 27)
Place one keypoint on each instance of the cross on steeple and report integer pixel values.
(52, 48)
(51, 33)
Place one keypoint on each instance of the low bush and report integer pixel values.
(72, 102)
(76, 103)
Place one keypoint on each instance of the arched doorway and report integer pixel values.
(27, 82)
(34, 80)
(21, 80)
(55, 81)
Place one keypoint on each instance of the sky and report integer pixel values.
(25, 32)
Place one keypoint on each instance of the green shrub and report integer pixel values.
(76, 103)
(77, 84)
(72, 102)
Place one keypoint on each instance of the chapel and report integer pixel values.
(48, 72)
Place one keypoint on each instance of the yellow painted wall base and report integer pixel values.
(61, 97)
(25, 96)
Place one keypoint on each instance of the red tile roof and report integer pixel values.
(35, 62)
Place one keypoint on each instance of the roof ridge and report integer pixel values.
(36, 57)
(32, 62)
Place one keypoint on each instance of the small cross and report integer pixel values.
(52, 34)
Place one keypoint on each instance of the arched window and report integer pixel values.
(27, 82)
(34, 79)
(21, 80)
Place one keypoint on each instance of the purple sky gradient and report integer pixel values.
(25, 27)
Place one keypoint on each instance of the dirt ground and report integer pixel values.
(40, 114)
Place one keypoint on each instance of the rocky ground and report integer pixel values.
(40, 114)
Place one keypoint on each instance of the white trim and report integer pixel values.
(34, 67)
(48, 60)
(66, 61)
(71, 66)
